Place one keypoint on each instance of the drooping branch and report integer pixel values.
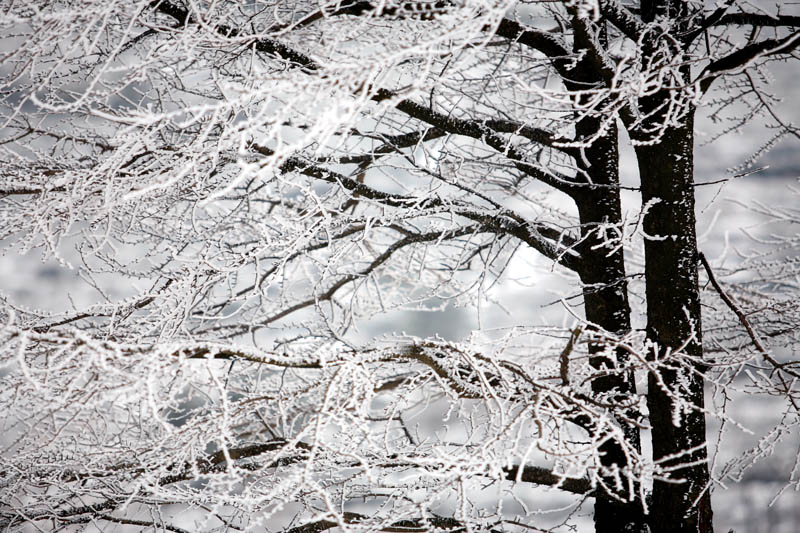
(751, 332)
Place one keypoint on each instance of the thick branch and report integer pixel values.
(537, 135)
(237, 355)
(758, 19)
(419, 525)
(742, 57)
(623, 19)
(403, 10)
(20, 191)
(543, 476)
(392, 144)
(595, 61)
(708, 21)
(542, 41)
(480, 131)
(148, 525)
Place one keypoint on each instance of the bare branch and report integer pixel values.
(743, 319)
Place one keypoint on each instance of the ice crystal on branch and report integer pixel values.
(244, 189)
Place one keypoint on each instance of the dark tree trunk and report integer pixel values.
(666, 169)
(605, 288)
(673, 325)
(606, 306)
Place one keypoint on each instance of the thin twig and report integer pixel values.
(742, 318)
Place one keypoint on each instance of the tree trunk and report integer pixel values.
(605, 287)
(606, 306)
(675, 396)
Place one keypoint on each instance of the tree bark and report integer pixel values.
(602, 273)
(675, 396)
(605, 296)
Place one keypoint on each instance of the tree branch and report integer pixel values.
(418, 525)
(21, 191)
(708, 22)
(403, 10)
(740, 58)
(392, 144)
(480, 131)
(623, 19)
(473, 129)
(149, 525)
(758, 19)
(378, 261)
(542, 41)
(542, 476)
(267, 46)
(743, 319)
(506, 222)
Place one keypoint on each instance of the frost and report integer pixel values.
(244, 191)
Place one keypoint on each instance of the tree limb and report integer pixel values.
(758, 19)
(505, 222)
(480, 131)
(419, 525)
(542, 476)
(473, 129)
(623, 19)
(542, 41)
(740, 58)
